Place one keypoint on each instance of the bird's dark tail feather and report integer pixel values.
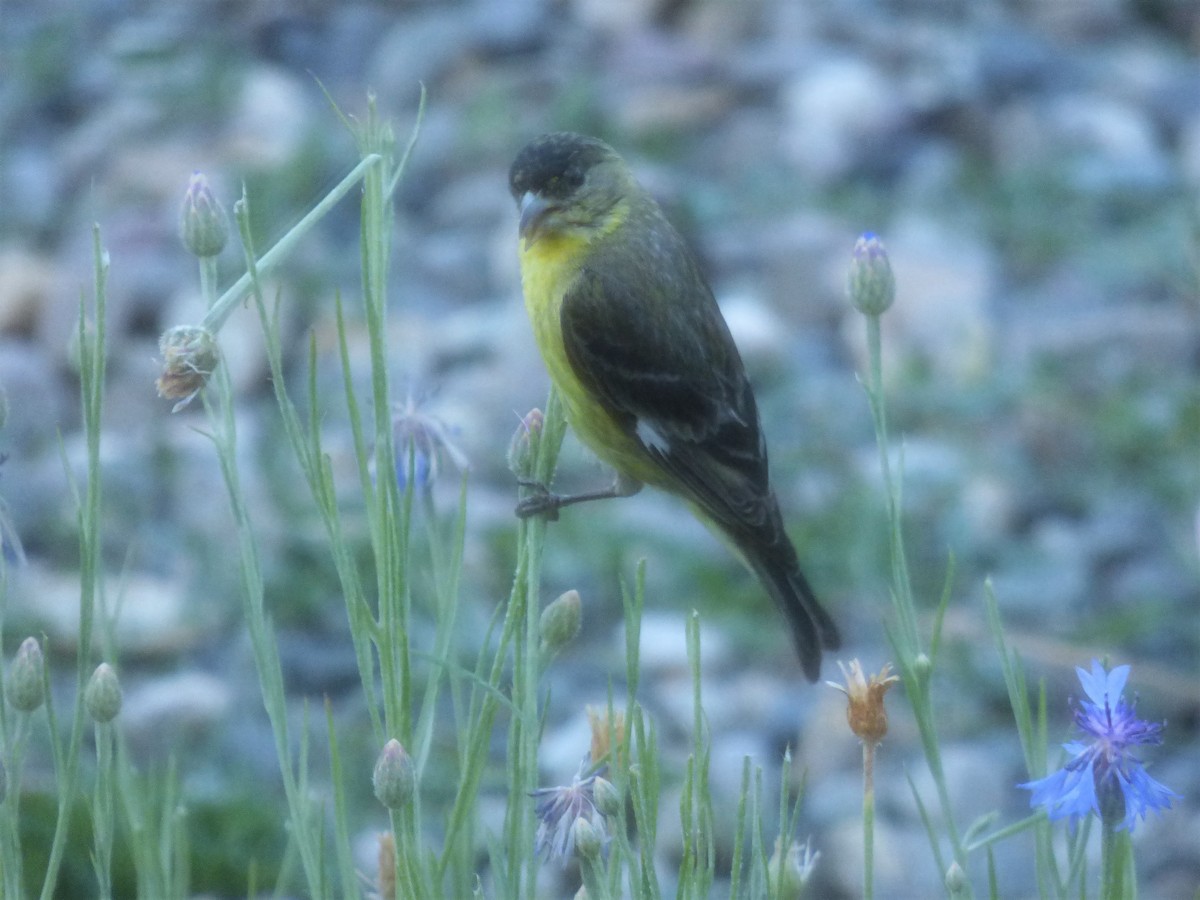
(812, 628)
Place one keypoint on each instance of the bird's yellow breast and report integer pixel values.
(549, 268)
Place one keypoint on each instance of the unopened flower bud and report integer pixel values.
(956, 880)
(560, 621)
(587, 838)
(606, 797)
(394, 779)
(203, 225)
(870, 284)
(923, 667)
(190, 356)
(524, 440)
(102, 696)
(26, 687)
(790, 869)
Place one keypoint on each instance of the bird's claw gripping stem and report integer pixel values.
(540, 501)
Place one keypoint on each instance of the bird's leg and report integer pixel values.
(542, 502)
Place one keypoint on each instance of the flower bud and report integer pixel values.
(394, 779)
(26, 687)
(587, 838)
(522, 446)
(606, 797)
(203, 225)
(789, 870)
(956, 881)
(923, 667)
(190, 356)
(560, 621)
(870, 284)
(102, 696)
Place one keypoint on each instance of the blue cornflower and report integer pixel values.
(1104, 776)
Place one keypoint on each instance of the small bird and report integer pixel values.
(649, 375)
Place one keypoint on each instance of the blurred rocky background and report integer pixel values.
(1032, 167)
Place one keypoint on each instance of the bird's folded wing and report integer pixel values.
(667, 369)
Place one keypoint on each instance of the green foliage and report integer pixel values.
(469, 712)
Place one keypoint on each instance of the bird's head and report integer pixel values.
(567, 184)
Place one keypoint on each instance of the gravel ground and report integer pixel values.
(1032, 168)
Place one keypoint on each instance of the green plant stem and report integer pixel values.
(901, 582)
(92, 372)
(225, 304)
(906, 639)
(592, 872)
(525, 614)
(1114, 845)
(102, 810)
(15, 759)
(868, 820)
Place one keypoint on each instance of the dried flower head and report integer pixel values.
(190, 356)
(604, 730)
(1103, 775)
(560, 810)
(865, 711)
(387, 866)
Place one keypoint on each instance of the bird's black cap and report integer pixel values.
(554, 165)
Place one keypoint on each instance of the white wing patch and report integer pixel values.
(652, 437)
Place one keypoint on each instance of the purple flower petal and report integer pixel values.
(1103, 775)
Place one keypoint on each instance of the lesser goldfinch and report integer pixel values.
(648, 372)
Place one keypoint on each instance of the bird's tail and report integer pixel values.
(776, 565)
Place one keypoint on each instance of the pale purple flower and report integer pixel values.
(559, 808)
(1103, 775)
(427, 438)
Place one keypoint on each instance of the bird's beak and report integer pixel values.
(533, 211)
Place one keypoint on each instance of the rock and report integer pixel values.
(27, 284)
(617, 16)
(836, 113)
(1104, 145)
(663, 648)
(153, 619)
(161, 713)
(37, 403)
(421, 47)
(271, 121)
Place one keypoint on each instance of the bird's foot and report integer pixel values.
(539, 502)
